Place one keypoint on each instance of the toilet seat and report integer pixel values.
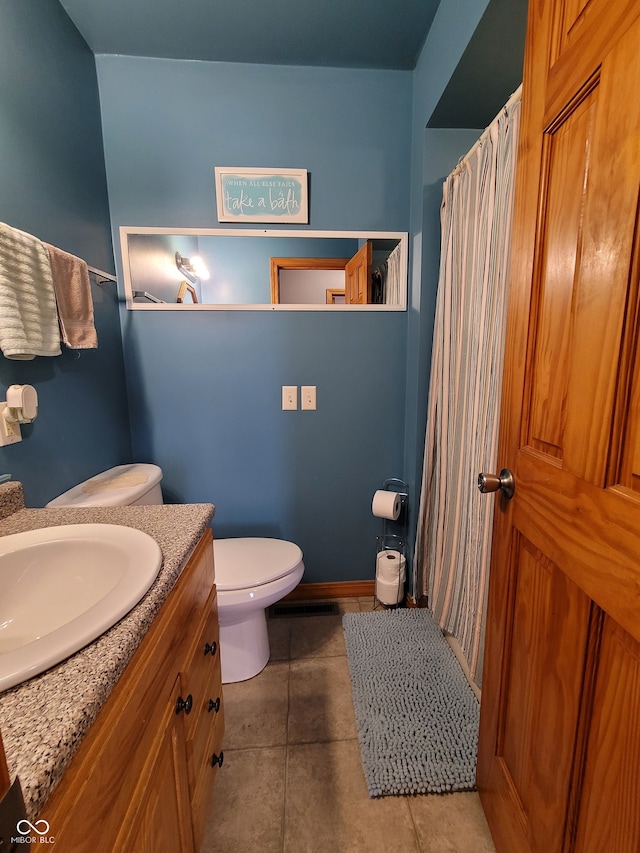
(253, 561)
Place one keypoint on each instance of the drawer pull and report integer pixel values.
(184, 704)
(217, 759)
(210, 648)
(214, 706)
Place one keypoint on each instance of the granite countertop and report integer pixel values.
(43, 720)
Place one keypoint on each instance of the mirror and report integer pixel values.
(240, 269)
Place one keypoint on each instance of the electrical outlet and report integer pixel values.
(289, 397)
(9, 431)
(308, 397)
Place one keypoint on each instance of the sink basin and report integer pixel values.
(62, 587)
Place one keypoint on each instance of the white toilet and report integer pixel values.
(251, 573)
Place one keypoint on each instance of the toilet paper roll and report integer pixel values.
(386, 504)
(388, 592)
(390, 565)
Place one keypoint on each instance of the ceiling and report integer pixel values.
(385, 34)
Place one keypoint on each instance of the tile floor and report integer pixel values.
(292, 781)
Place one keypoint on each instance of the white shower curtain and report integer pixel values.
(393, 291)
(453, 542)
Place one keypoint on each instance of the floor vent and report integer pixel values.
(322, 608)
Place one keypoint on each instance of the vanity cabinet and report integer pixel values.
(142, 777)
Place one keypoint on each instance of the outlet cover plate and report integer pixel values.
(308, 393)
(289, 397)
(9, 432)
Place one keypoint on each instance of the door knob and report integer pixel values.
(503, 482)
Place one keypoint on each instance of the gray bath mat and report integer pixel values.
(417, 715)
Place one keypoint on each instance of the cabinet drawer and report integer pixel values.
(203, 681)
(202, 675)
(209, 740)
(211, 718)
(204, 726)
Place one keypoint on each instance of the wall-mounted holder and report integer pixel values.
(391, 556)
(20, 407)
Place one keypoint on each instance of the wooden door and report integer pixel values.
(358, 277)
(559, 753)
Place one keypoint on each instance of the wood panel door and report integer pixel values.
(358, 276)
(160, 817)
(559, 752)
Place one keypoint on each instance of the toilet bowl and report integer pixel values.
(251, 574)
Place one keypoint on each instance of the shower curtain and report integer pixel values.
(386, 280)
(453, 542)
(393, 292)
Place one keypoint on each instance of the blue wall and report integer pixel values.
(205, 387)
(434, 154)
(52, 184)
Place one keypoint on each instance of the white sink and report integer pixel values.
(61, 587)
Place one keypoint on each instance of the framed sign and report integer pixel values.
(261, 195)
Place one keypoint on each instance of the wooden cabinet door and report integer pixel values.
(161, 823)
(358, 276)
(559, 753)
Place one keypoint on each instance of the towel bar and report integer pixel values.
(105, 276)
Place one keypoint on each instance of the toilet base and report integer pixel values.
(244, 647)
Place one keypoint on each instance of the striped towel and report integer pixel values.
(28, 315)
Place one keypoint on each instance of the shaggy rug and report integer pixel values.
(416, 713)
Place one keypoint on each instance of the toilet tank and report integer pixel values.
(125, 485)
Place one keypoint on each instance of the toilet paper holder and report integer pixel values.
(399, 486)
(393, 537)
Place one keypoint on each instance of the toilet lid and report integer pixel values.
(243, 563)
(119, 486)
